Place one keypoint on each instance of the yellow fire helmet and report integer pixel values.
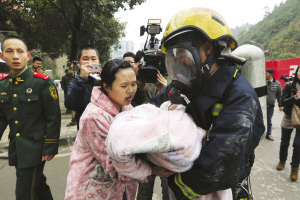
(210, 23)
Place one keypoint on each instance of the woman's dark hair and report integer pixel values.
(108, 73)
(295, 80)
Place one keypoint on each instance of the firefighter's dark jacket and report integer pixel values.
(228, 155)
(29, 104)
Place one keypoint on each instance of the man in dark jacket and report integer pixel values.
(273, 93)
(65, 82)
(80, 90)
(198, 45)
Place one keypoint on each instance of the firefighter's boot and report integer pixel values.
(280, 165)
(294, 173)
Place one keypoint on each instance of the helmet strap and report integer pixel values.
(206, 67)
(204, 73)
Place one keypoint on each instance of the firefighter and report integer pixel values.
(198, 45)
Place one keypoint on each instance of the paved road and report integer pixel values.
(56, 172)
(267, 182)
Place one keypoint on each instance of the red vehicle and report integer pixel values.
(4, 70)
(283, 68)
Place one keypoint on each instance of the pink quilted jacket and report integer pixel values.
(91, 173)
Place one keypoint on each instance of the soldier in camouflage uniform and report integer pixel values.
(29, 105)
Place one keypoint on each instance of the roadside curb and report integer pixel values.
(67, 140)
(63, 141)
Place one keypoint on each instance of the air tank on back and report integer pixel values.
(254, 71)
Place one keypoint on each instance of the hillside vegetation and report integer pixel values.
(278, 34)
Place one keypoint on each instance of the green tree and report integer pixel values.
(278, 32)
(61, 26)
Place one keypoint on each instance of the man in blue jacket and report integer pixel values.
(198, 45)
(80, 90)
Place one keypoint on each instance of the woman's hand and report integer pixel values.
(160, 171)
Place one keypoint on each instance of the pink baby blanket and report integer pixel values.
(169, 138)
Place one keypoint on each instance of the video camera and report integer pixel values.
(285, 78)
(154, 59)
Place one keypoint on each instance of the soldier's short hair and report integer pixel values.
(13, 37)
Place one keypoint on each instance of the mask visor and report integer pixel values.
(181, 66)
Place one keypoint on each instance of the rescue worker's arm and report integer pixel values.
(52, 116)
(219, 164)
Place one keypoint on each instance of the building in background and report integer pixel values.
(124, 46)
(58, 65)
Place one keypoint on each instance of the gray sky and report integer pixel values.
(235, 12)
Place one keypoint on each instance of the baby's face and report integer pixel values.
(172, 107)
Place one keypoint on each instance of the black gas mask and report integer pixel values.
(184, 67)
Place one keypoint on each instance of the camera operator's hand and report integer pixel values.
(161, 82)
(39, 69)
(85, 70)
